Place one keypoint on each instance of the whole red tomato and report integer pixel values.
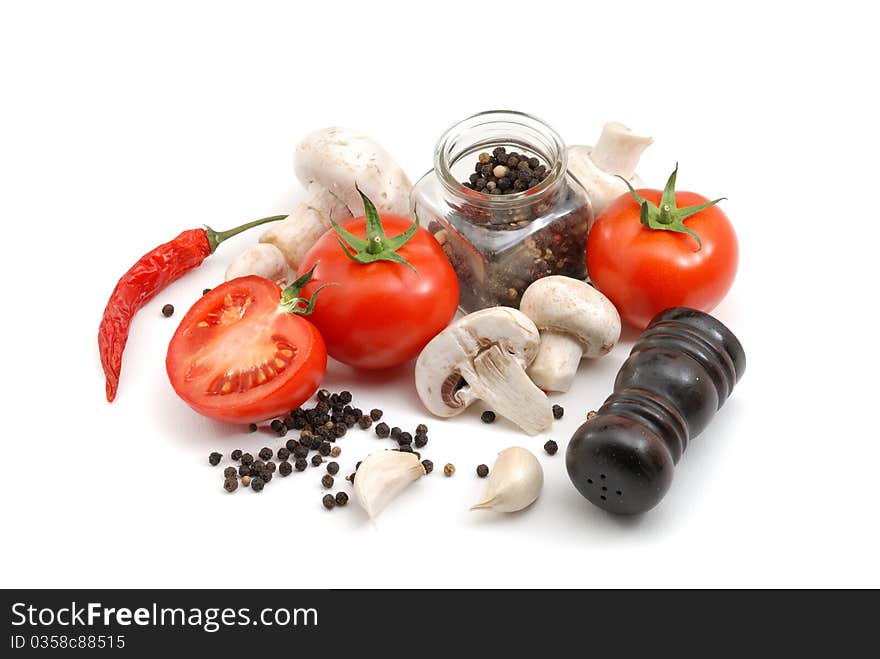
(243, 353)
(393, 292)
(651, 250)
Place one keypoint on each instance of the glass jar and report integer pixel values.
(499, 244)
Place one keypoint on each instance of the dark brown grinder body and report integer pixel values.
(679, 373)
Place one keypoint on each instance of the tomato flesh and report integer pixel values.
(238, 357)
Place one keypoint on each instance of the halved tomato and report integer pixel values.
(241, 355)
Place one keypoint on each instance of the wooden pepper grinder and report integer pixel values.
(679, 373)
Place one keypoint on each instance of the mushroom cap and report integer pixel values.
(438, 367)
(574, 308)
(338, 159)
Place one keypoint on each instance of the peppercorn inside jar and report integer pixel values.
(502, 205)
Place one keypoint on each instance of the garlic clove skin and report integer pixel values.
(515, 482)
(382, 476)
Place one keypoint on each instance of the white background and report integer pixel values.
(124, 123)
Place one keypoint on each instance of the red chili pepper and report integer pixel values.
(153, 272)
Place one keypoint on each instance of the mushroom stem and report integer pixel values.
(557, 361)
(618, 150)
(498, 379)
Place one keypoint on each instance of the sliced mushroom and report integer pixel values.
(575, 321)
(483, 356)
(331, 163)
(263, 260)
(616, 153)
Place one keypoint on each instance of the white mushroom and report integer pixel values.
(263, 260)
(616, 154)
(575, 321)
(330, 163)
(483, 356)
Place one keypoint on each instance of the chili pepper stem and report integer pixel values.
(217, 237)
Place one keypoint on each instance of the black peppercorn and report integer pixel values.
(300, 464)
(332, 468)
(316, 460)
(375, 414)
(265, 453)
(230, 472)
(244, 470)
(428, 465)
(285, 468)
(257, 484)
(205, 291)
(488, 416)
(290, 445)
(395, 432)
(230, 484)
(324, 394)
(365, 422)
(339, 430)
(341, 498)
(266, 475)
(345, 397)
(482, 471)
(236, 454)
(382, 430)
(327, 481)
(276, 425)
(258, 465)
(214, 458)
(247, 459)
(558, 411)
(252, 427)
(325, 448)
(283, 453)
(289, 423)
(551, 447)
(271, 467)
(420, 440)
(329, 501)
(421, 429)
(404, 438)
(168, 310)
(300, 451)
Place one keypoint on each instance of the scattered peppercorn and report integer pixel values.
(230, 472)
(247, 459)
(551, 447)
(206, 291)
(382, 430)
(488, 416)
(285, 468)
(324, 395)
(365, 422)
(345, 397)
(332, 468)
(341, 498)
(404, 439)
(335, 452)
(421, 429)
(252, 427)
(245, 481)
(230, 484)
(449, 469)
(482, 471)
(420, 440)
(283, 453)
(325, 448)
(276, 425)
(300, 464)
(168, 310)
(271, 466)
(257, 484)
(428, 465)
(215, 458)
(290, 445)
(244, 470)
(316, 460)
(327, 481)
(395, 432)
(558, 411)
(375, 414)
(236, 454)
(329, 501)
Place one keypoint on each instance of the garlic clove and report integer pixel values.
(382, 476)
(514, 483)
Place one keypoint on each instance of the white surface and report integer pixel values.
(124, 123)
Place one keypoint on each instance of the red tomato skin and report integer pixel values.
(299, 382)
(381, 314)
(644, 271)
